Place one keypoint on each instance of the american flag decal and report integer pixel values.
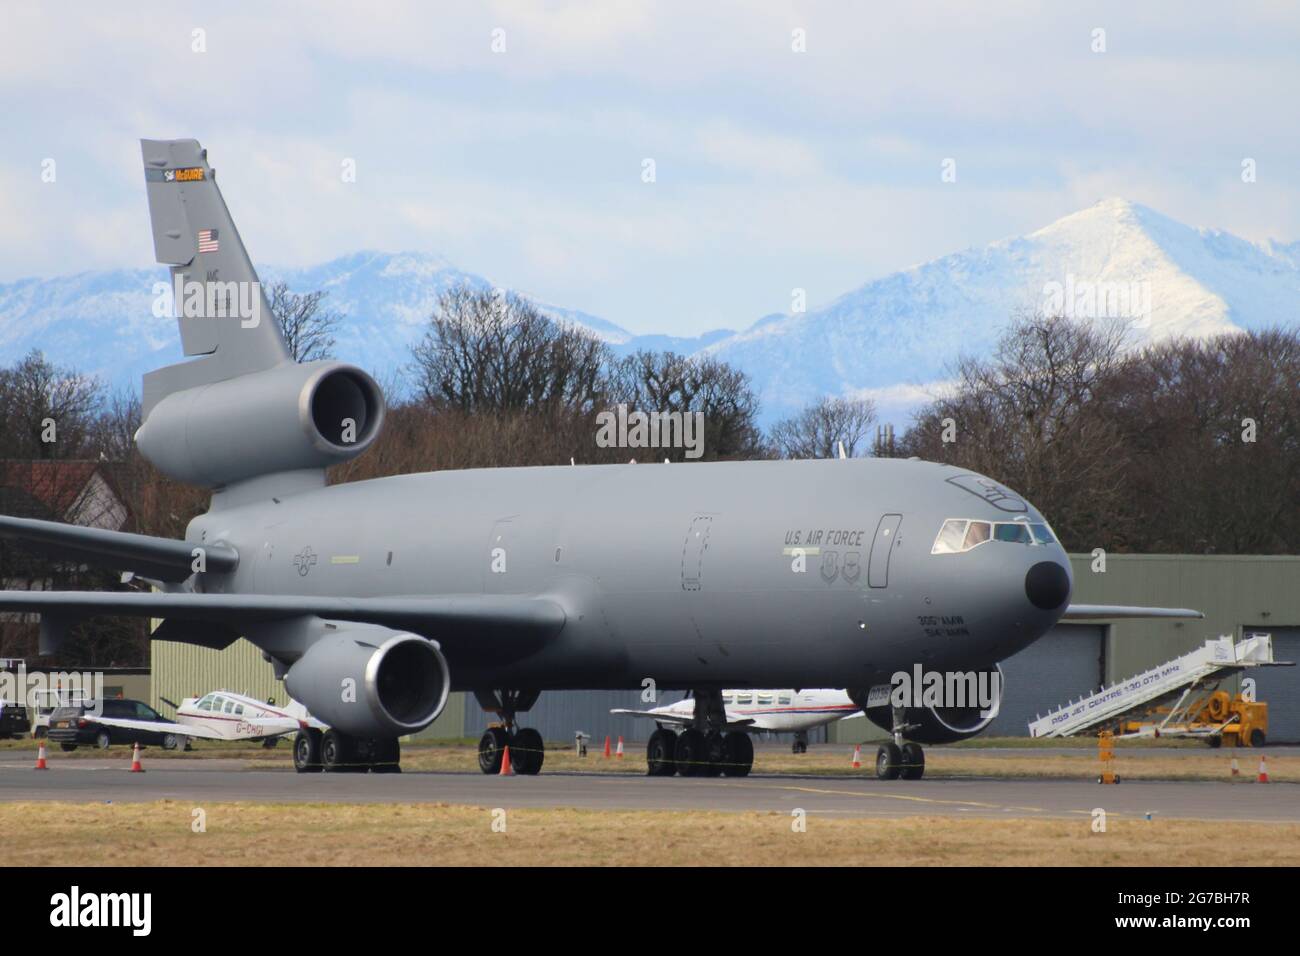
(208, 240)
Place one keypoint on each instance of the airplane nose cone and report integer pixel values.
(1047, 585)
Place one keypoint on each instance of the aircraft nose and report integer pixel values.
(1047, 585)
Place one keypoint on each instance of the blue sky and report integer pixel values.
(775, 169)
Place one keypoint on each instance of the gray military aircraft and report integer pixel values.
(373, 600)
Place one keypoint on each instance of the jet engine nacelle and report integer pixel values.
(286, 418)
(941, 725)
(370, 681)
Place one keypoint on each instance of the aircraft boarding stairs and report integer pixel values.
(1180, 677)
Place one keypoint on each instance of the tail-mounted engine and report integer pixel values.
(285, 418)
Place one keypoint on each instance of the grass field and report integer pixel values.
(1137, 761)
(422, 834)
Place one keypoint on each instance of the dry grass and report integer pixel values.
(419, 834)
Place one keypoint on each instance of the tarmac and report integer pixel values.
(224, 780)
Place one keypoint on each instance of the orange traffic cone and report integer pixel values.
(857, 757)
(606, 746)
(1263, 770)
(40, 758)
(619, 752)
(506, 769)
(1236, 771)
(135, 760)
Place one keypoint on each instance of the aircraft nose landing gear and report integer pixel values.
(898, 759)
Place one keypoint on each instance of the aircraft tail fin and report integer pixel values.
(222, 311)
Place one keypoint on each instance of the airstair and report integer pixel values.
(1181, 676)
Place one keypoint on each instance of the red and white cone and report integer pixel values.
(619, 753)
(135, 760)
(857, 757)
(606, 746)
(1236, 771)
(1263, 770)
(40, 758)
(506, 769)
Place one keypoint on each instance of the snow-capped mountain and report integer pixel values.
(894, 338)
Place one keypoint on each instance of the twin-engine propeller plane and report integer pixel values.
(746, 711)
(373, 600)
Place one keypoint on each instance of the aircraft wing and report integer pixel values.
(475, 625)
(165, 559)
(158, 726)
(1104, 612)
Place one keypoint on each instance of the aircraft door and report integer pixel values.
(882, 547)
(697, 543)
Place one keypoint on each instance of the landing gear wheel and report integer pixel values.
(387, 756)
(799, 747)
(337, 753)
(715, 754)
(659, 753)
(270, 742)
(490, 746)
(913, 762)
(888, 761)
(530, 750)
(689, 754)
(306, 751)
(740, 755)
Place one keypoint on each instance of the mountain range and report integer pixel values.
(894, 339)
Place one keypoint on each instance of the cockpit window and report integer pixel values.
(950, 537)
(961, 534)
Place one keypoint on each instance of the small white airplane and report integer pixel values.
(225, 715)
(772, 711)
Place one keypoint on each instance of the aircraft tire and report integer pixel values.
(740, 754)
(689, 753)
(531, 752)
(387, 756)
(490, 747)
(888, 759)
(306, 751)
(715, 754)
(913, 762)
(660, 752)
(338, 754)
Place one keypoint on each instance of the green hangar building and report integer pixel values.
(1239, 594)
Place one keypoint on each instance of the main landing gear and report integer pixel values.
(335, 752)
(527, 751)
(704, 749)
(800, 745)
(898, 759)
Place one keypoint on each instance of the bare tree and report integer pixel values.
(46, 411)
(308, 329)
(487, 350)
(666, 382)
(818, 430)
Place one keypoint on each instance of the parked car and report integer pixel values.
(70, 727)
(47, 702)
(14, 720)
